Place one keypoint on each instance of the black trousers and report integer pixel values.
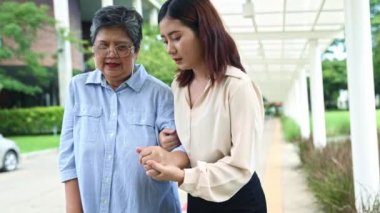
(249, 199)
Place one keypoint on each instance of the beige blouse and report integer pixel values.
(219, 133)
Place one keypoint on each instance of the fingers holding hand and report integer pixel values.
(164, 172)
(155, 153)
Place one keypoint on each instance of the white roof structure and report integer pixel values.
(273, 36)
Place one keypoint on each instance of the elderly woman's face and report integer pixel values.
(114, 55)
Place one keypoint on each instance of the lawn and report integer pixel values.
(338, 122)
(36, 143)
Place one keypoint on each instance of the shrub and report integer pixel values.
(31, 121)
(330, 176)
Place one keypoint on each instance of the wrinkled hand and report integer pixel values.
(169, 139)
(162, 172)
(155, 153)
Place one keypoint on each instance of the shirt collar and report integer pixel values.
(233, 72)
(94, 77)
(138, 78)
(135, 82)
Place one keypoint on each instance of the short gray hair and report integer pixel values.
(127, 19)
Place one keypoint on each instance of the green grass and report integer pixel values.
(36, 143)
(337, 123)
(290, 129)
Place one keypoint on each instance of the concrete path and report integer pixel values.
(284, 181)
(35, 186)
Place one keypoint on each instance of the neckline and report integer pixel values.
(200, 98)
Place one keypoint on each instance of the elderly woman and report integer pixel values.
(108, 114)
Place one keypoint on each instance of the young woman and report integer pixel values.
(218, 113)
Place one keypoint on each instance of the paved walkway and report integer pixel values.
(35, 187)
(283, 180)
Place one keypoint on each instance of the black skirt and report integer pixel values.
(249, 199)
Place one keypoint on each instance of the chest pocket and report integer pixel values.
(141, 119)
(88, 122)
(141, 129)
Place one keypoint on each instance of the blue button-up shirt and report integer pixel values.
(102, 128)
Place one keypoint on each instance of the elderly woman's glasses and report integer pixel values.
(121, 50)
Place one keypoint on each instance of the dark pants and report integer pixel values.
(248, 199)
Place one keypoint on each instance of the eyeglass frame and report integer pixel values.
(97, 50)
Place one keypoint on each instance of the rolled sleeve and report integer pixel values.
(165, 110)
(67, 167)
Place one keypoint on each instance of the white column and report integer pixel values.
(153, 16)
(137, 4)
(65, 72)
(296, 103)
(106, 3)
(304, 111)
(292, 104)
(317, 100)
(365, 154)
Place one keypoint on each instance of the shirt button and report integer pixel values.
(104, 201)
(109, 157)
(111, 134)
(114, 114)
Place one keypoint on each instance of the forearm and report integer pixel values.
(73, 201)
(178, 159)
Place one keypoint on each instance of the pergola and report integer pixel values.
(280, 42)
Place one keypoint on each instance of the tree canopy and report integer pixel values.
(19, 23)
(334, 70)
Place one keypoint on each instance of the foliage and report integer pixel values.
(334, 78)
(154, 57)
(375, 23)
(290, 129)
(27, 121)
(33, 143)
(329, 175)
(19, 23)
(334, 74)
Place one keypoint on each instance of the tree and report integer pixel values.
(154, 57)
(334, 71)
(334, 78)
(19, 23)
(375, 23)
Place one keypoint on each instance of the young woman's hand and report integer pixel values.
(162, 172)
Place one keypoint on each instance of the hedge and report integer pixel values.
(31, 121)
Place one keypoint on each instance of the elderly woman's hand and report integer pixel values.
(155, 153)
(169, 139)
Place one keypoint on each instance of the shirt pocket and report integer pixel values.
(88, 121)
(141, 129)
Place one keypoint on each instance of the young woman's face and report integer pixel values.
(114, 55)
(182, 44)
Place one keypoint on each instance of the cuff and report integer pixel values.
(68, 175)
